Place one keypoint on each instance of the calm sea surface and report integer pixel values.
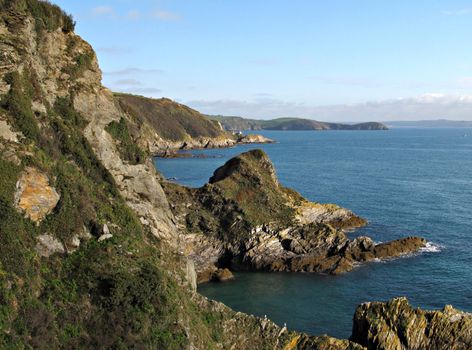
(403, 181)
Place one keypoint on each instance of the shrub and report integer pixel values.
(46, 15)
(18, 103)
(126, 146)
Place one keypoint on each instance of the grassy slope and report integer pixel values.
(238, 123)
(170, 120)
(110, 294)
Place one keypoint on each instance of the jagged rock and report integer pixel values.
(222, 275)
(104, 237)
(396, 325)
(244, 219)
(48, 245)
(251, 138)
(191, 274)
(7, 133)
(34, 196)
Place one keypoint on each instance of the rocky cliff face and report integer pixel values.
(244, 219)
(396, 325)
(88, 253)
(91, 254)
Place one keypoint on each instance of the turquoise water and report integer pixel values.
(404, 181)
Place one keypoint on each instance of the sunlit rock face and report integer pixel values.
(35, 197)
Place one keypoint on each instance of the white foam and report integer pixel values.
(431, 247)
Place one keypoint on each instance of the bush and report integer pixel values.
(46, 15)
(18, 103)
(126, 146)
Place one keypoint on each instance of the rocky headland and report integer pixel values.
(94, 254)
(239, 124)
(163, 127)
(243, 219)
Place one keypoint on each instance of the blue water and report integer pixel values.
(404, 181)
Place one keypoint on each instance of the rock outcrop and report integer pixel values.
(396, 325)
(252, 138)
(34, 196)
(244, 219)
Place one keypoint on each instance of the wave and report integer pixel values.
(431, 247)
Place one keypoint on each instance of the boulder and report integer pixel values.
(48, 245)
(34, 196)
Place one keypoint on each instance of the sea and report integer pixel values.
(403, 181)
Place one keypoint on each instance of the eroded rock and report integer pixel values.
(244, 219)
(48, 245)
(396, 325)
(34, 195)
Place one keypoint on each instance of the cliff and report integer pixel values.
(244, 219)
(162, 126)
(91, 253)
(238, 124)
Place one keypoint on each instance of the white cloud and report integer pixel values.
(132, 71)
(166, 15)
(427, 106)
(133, 15)
(114, 50)
(146, 91)
(461, 12)
(102, 10)
(465, 82)
(349, 81)
(128, 82)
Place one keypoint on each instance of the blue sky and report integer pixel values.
(332, 59)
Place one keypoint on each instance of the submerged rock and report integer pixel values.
(222, 275)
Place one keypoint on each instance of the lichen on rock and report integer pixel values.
(34, 195)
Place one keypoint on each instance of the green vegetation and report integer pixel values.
(249, 180)
(46, 15)
(127, 147)
(82, 63)
(169, 119)
(18, 103)
(242, 194)
(238, 124)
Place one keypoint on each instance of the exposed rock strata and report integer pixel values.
(396, 325)
(244, 219)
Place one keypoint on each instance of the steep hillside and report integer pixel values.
(238, 123)
(88, 250)
(162, 126)
(91, 254)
